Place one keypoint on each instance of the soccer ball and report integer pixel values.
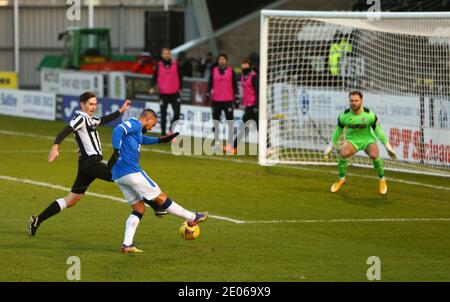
(189, 233)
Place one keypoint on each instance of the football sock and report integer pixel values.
(175, 209)
(378, 165)
(156, 207)
(131, 226)
(53, 209)
(342, 166)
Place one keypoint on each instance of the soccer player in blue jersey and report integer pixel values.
(137, 187)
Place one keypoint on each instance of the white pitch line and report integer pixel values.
(349, 220)
(33, 151)
(396, 219)
(57, 187)
(15, 133)
(409, 182)
(24, 151)
(241, 161)
(228, 219)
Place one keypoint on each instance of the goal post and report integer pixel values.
(310, 61)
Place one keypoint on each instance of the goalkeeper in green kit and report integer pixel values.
(362, 128)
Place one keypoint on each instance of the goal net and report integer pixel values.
(310, 61)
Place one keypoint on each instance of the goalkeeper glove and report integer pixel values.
(390, 151)
(114, 157)
(168, 138)
(329, 148)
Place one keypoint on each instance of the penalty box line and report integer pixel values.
(236, 221)
(241, 161)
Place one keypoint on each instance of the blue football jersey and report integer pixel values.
(128, 137)
(130, 145)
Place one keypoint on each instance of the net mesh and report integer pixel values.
(400, 65)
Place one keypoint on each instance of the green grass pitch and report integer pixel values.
(298, 231)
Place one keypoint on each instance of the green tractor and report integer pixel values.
(90, 49)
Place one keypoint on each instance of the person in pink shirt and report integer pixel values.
(223, 94)
(250, 99)
(168, 79)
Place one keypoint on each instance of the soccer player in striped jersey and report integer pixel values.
(137, 187)
(362, 128)
(90, 166)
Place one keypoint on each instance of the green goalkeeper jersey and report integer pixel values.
(360, 129)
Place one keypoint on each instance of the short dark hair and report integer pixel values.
(222, 55)
(356, 92)
(85, 96)
(149, 111)
(246, 61)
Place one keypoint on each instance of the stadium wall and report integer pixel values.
(39, 27)
(243, 40)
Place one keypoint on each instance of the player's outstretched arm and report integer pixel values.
(117, 135)
(111, 117)
(334, 138)
(168, 138)
(382, 138)
(54, 152)
(149, 140)
(126, 105)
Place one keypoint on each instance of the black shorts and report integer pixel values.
(226, 107)
(173, 99)
(164, 101)
(250, 114)
(88, 170)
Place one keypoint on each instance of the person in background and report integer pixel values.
(223, 94)
(254, 59)
(168, 78)
(250, 96)
(184, 65)
(207, 65)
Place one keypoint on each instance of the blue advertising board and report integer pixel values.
(105, 106)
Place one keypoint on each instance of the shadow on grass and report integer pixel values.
(42, 242)
(370, 201)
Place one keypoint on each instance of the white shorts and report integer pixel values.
(137, 186)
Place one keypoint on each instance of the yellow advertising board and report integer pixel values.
(8, 80)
